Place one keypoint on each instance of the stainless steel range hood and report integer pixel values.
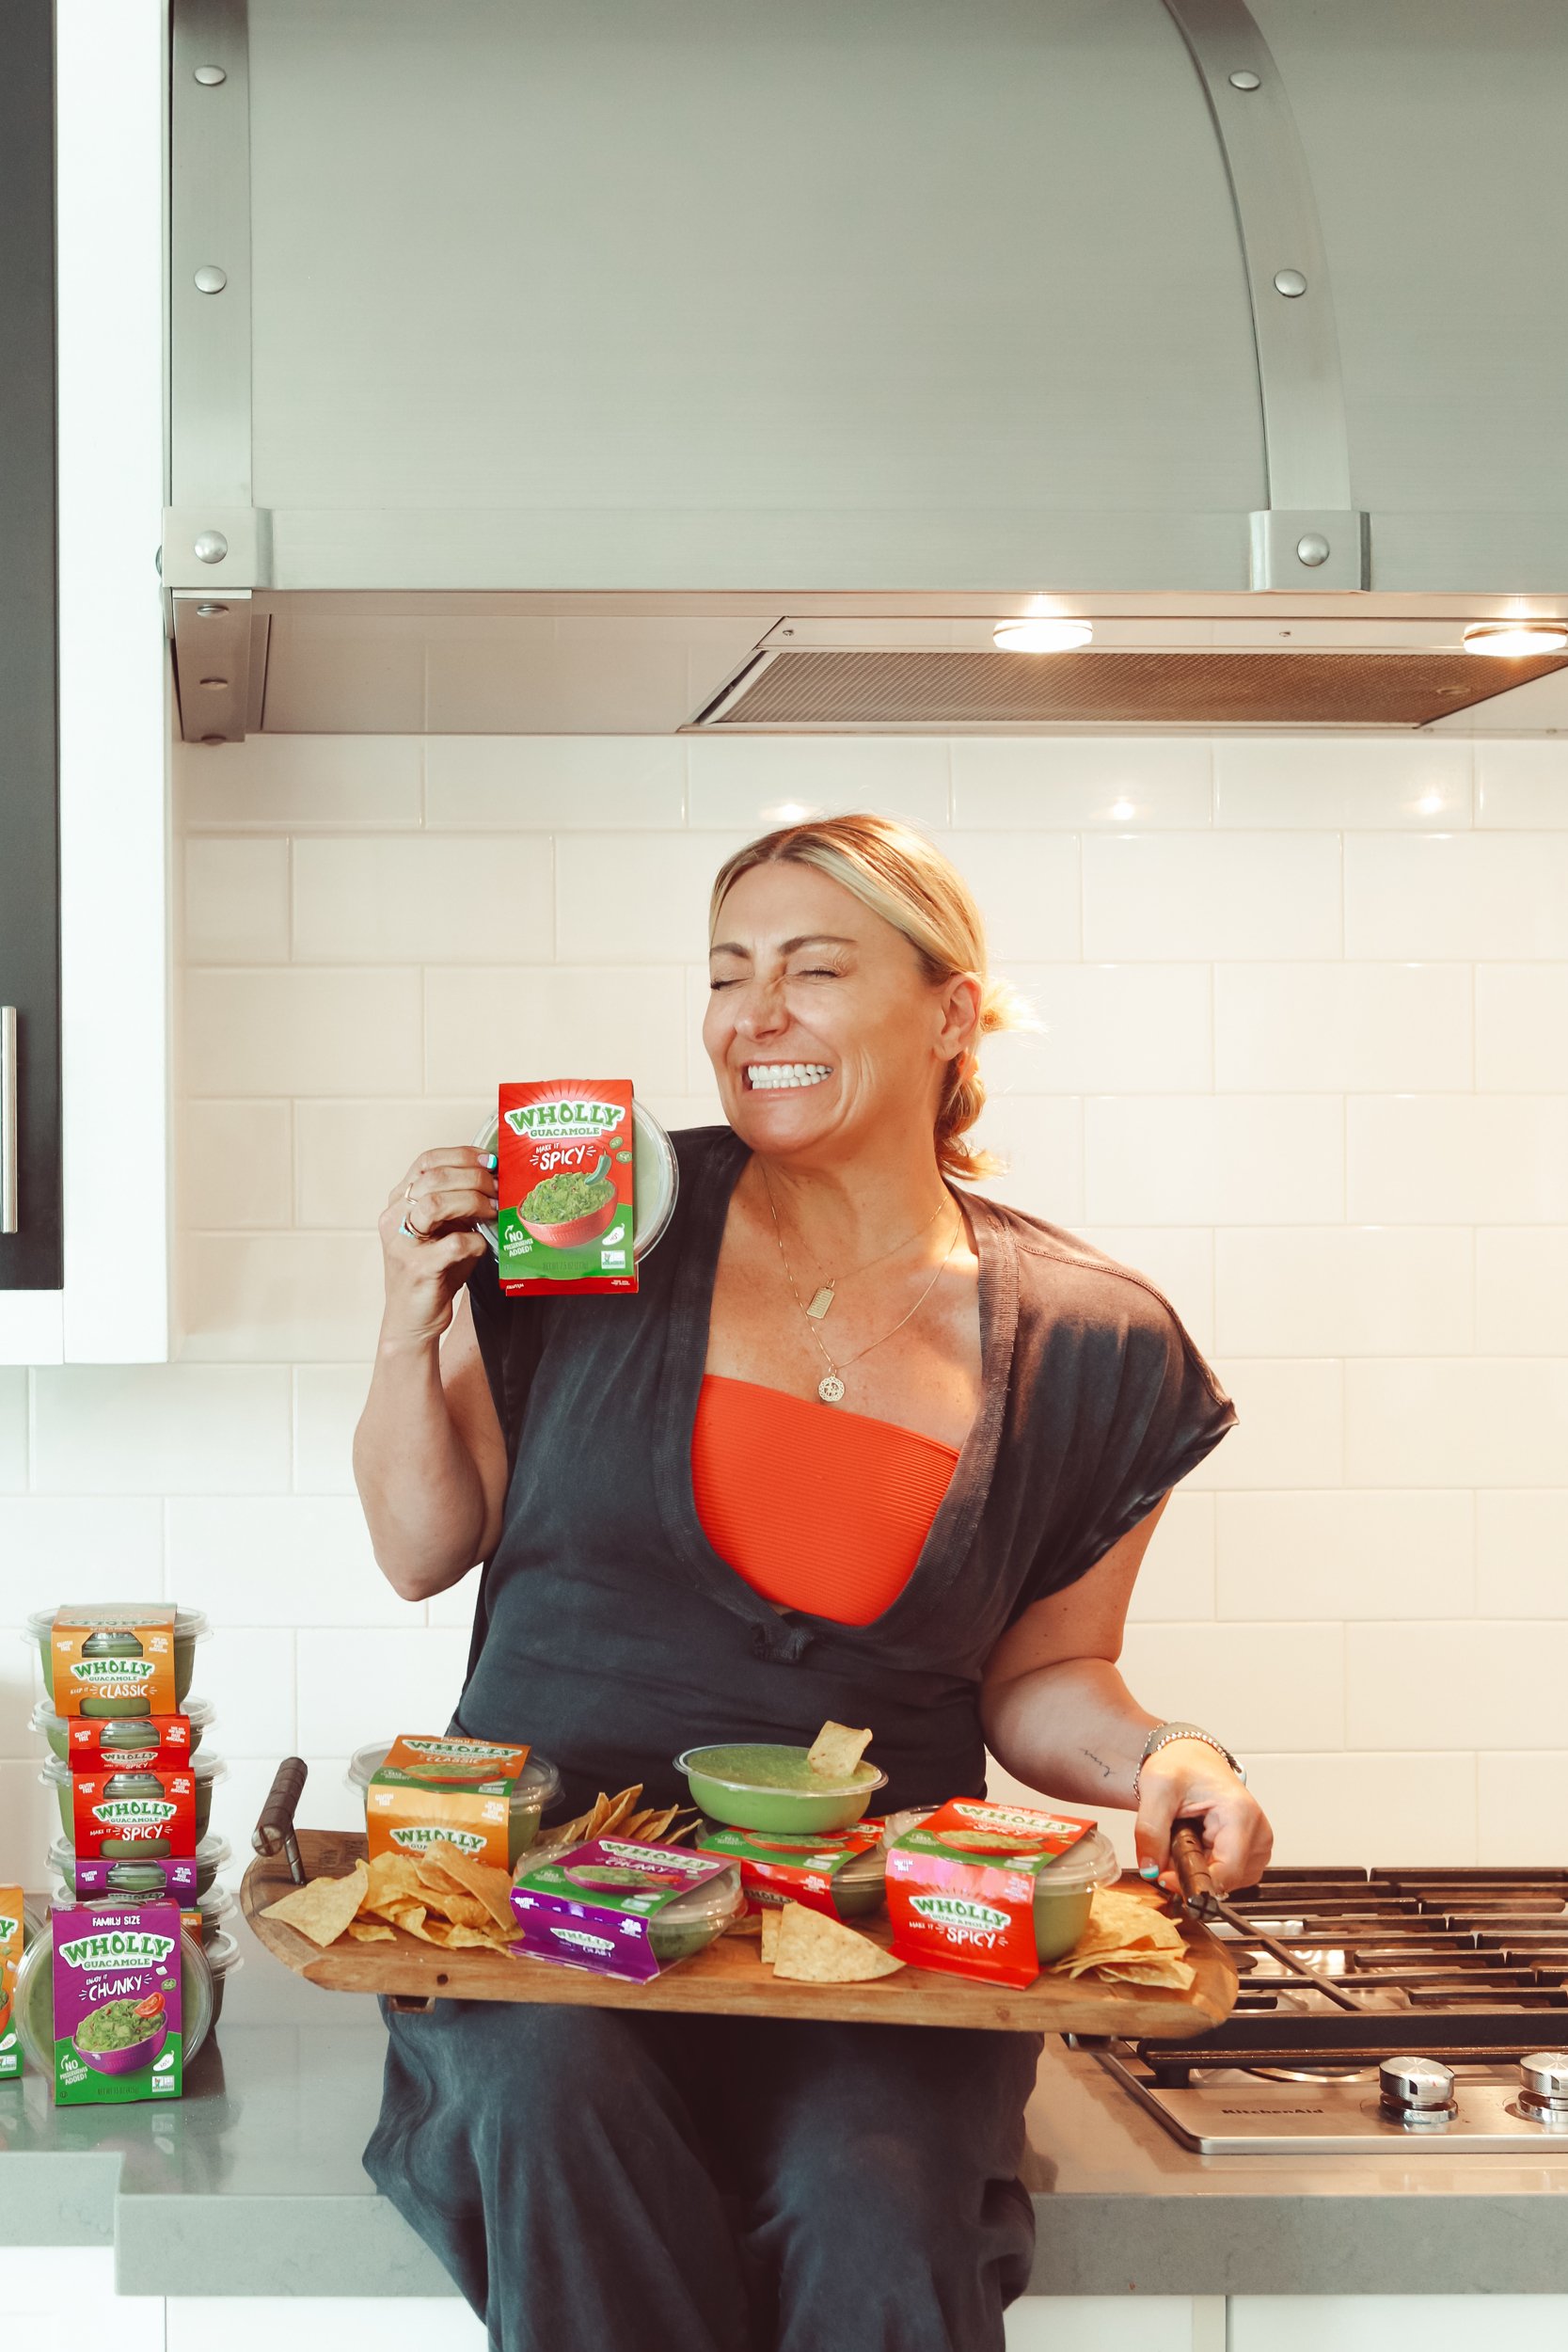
(662, 363)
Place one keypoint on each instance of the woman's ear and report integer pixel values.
(960, 1011)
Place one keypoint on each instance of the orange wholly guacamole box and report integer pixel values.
(428, 1788)
(113, 1661)
(566, 1186)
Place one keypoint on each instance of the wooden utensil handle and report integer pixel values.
(1191, 1861)
(274, 1833)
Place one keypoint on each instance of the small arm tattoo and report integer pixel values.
(1104, 1768)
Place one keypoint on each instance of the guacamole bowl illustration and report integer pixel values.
(97, 2041)
(567, 1211)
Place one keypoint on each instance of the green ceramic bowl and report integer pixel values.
(125, 1735)
(203, 1975)
(207, 1770)
(751, 1785)
(538, 1786)
(129, 1879)
(190, 1627)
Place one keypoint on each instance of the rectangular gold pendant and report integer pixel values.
(819, 1302)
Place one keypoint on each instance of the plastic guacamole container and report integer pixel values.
(655, 1174)
(538, 1785)
(753, 1786)
(190, 1627)
(130, 1879)
(695, 1919)
(203, 1975)
(126, 1734)
(206, 1769)
(1062, 1892)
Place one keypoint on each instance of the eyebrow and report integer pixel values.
(789, 946)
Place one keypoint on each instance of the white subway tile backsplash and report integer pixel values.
(1344, 1290)
(640, 898)
(1061, 782)
(350, 1157)
(13, 1430)
(1522, 1029)
(1456, 895)
(1178, 1260)
(1522, 1552)
(1290, 1426)
(280, 1297)
(1213, 1159)
(1450, 1686)
(301, 1032)
(1342, 1028)
(279, 1560)
(1521, 784)
(1211, 897)
(1457, 1159)
(1039, 1138)
(1465, 1421)
(236, 900)
(154, 1429)
(59, 1548)
(547, 783)
(409, 1680)
(1368, 1810)
(30, 1814)
(1331, 781)
(1522, 1801)
(1288, 1555)
(423, 899)
(1028, 889)
(329, 1400)
(298, 783)
(249, 1674)
(560, 1020)
(1257, 1686)
(1176, 1580)
(235, 1165)
(1522, 1290)
(757, 782)
(1107, 1029)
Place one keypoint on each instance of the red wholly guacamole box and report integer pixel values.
(118, 2020)
(565, 1191)
(164, 1742)
(137, 1814)
(775, 1870)
(119, 1659)
(960, 1886)
(12, 1933)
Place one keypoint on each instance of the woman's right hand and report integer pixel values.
(439, 1199)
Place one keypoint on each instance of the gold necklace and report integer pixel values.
(822, 1298)
(831, 1387)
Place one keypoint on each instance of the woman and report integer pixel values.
(862, 1447)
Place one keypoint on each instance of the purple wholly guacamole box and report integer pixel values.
(623, 1909)
(118, 2023)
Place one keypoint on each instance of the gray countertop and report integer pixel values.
(253, 2185)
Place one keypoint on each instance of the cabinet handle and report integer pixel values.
(9, 1144)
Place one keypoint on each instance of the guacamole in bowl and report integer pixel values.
(755, 1785)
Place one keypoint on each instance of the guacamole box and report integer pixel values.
(961, 1886)
(779, 1867)
(624, 1909)
(460, 1790)
(118, 2020)
(121, 1659)
(565, 1189)
(12, 1931)
(133, 1815)
(99, 1743)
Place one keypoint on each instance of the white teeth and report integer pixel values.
(772, 1077)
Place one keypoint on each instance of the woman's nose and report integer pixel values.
(762, 1012)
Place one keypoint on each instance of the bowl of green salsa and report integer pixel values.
(754, 1785)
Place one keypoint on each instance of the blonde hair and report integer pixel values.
(905, 879)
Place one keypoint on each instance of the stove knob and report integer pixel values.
(1543, 2077)
(1417, 2093)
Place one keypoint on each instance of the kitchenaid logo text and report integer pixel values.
(134, 1812)
(958, 1916)
(565, 1121)
(121, 1949)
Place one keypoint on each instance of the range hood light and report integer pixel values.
(1516, 640)
(1044, 633)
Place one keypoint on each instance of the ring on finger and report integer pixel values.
(413, 1232)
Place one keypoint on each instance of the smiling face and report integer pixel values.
(824, 1030)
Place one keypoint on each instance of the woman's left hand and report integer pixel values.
(1188, 1780)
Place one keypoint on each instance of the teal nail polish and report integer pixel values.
(1148, 1869)
(490, 1160)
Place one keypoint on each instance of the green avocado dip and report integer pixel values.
(560, 1198)
(754, 1785)
(117, 2026)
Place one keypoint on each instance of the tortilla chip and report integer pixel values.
(620, 1807)
(1162, 1968)
(395, 1876)
(814, 1950)
(408, 1916)
(372, 1931)
(322, 1908)
(771, 1933)
(488, 1887)
(463, 1939)
(837, 1750)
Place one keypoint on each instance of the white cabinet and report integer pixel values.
(113, 1303)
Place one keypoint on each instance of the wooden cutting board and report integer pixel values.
(729, 1978)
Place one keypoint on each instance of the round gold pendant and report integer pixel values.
(830, 1388)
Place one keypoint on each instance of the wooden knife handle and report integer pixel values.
(1190, 1859)
(274, 1833)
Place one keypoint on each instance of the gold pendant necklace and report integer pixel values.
(831, 1387)
(816, 1306)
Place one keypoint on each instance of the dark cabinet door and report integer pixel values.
(30, 1258)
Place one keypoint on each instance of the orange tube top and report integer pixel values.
(817, 1508)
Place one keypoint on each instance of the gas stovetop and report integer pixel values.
(1422, 2009)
